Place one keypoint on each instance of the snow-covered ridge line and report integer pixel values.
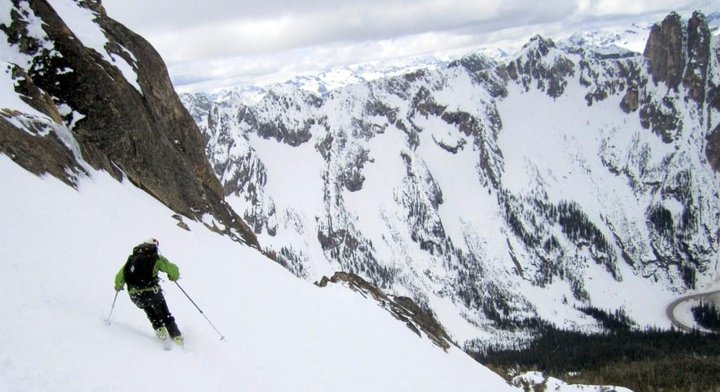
(605, 39)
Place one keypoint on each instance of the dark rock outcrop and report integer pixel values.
(664, 49)
(698, 51)
(713, 149)
(33, 151)
(682, 55)
(146, 135)
(418, 319)
(679, 55)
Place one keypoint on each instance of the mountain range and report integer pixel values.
(610, 38)
(471, 199)
(494, 192)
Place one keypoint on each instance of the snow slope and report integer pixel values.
(62, 247)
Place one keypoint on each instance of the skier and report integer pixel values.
(140, 272)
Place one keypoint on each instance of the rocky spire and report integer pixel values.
(665, 51)
(698, 52)
(680, 55)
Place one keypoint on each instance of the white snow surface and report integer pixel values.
(564, 175)
(541, 382)
(62, 248)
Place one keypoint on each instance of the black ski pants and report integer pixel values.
(155, 307)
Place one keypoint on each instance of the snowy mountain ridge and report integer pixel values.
(494, 194)
(610, 38)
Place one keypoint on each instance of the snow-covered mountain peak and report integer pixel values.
(632, 38)
(538, 48)
(322, 83)
(599, 48)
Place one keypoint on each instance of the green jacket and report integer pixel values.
(161, 264)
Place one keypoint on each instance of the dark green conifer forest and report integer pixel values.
(642, 360)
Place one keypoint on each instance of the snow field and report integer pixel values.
(530, 140)
(62, 248)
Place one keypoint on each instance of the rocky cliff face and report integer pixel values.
(100, 95)
(493, 194)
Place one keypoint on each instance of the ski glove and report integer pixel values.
(119, 288)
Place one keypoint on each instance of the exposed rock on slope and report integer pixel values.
(419, 320)
(107, 92)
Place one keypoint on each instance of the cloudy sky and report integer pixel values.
(214, 43)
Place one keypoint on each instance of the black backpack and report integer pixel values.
(138, 271)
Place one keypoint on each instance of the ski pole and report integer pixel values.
(201, 312)
(107, 321)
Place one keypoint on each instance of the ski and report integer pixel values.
(167, 344)
(180, 342)
(164, 338)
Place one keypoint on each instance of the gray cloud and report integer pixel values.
(223, 38)
(219, 28)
